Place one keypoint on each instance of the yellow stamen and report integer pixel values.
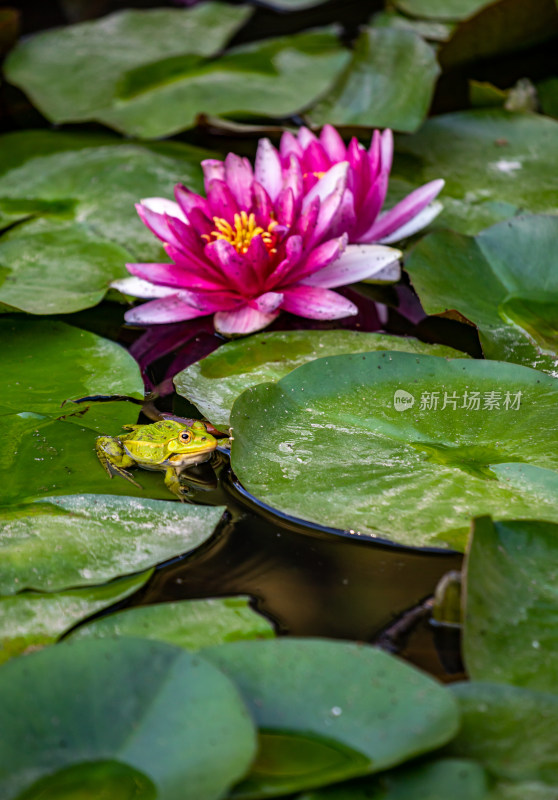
(315, 174)
(244, 230)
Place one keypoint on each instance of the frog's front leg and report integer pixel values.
(172, 482)
(114, 458)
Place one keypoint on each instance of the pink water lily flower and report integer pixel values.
(254, 245)
(361, 214)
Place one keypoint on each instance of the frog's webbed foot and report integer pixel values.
(172, 482)
(114, 458)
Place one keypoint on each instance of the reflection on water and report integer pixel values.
(310, 582)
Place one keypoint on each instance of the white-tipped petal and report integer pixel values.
(422, 219)
(359, 262)
(334, 179)
(137, 287)
(164, 206)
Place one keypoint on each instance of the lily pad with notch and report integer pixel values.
(316, 729)
(400, 446)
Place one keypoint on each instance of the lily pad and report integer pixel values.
(513, 731)
(454, 778)
(510, 632)
(316, 728)
(75, 204)
(214, 383)
(156, 85)
(495, 163)
(72, 73)
(450, 10)
(45, 362)
(144, 707)
(397, 445)
(517, 310)
(189, 623)
(82, 540)
(29, 620)
(388, 83)
(160, 102)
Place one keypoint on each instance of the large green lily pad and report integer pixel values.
(495, 164)
(82, 540)
(160, 101)
(192, 624)
(46, 362)
(71, 73)
(452, 10)
(396, 445)
(505, 280)
(74, 198)
(510, 632)
(29, 620)
(214, 383)
(317, 728)
(455, 778)
(157, 85)
(388, 83)
(103, 712)
(513, 731)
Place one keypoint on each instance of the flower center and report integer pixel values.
(241, 234)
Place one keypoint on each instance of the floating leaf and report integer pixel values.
(79, 201)
(454, 778)
(153, 103)
(82, 540)
(510, 632)
(388, 83)
(34, 619)
(156, 85)
(451, 10)
(72, 73)
(517, 310)
(316, 728)
(190, 623)
(126, 715)
(512, 731)
(494, 162)
(214, 383)
(402, 446)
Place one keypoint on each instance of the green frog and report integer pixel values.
(168, 445)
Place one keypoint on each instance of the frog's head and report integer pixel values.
(192, 445)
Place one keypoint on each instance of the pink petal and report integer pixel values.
(157, 224)
(422, 219)
(319, 258)
(355, 264)
(285, 207)
(333, 143)
(369, 209)
(233, 264)
(403, 212)
(334, 177)
(239, 178)
(187, 237)
(160, 205)
(213, 170)
(167, 309)
(386, 150)
(293, 252)
(316, 158)
(201, 266)
(289, 146)
(173, 276)
(242, 320)
(267, 303)
(374, 155)
(306, 137)
(314, 303)
(268, 168)
(261, 205)
(345, 216)
(188, 200)
(256, 261)
(292, 179)
(222, 202)
(306, 222)
(329, 209)
(136, 287)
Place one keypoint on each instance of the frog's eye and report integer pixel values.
(185, 436)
